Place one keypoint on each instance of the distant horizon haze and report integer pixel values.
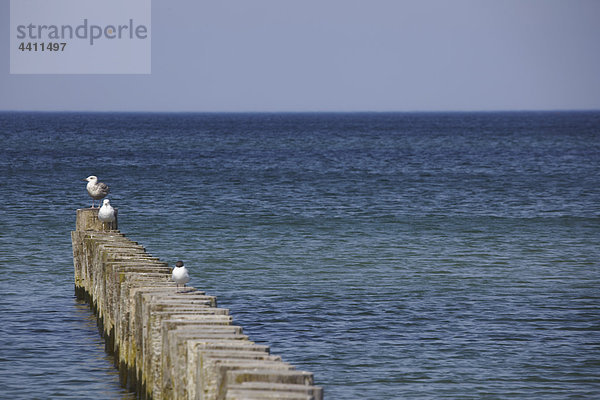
(341, 56)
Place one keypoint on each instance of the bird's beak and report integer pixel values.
(84, 180)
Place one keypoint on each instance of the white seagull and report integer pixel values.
(180, 274)
(96, 190)
(106, 213)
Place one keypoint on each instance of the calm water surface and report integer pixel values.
(421, 256)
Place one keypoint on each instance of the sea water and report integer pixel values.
(394, 255)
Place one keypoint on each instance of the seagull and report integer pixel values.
(106, 212)
(180, 274)
(96, 190)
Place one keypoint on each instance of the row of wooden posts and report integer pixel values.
(169, 342)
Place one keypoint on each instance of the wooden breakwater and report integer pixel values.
(169, 342)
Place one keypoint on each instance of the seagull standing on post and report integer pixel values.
(180, 274)
(96, 190)
(106, 213)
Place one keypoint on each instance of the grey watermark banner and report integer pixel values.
(80, 36)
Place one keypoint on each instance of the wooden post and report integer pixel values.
(87, 220)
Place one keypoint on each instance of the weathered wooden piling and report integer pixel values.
(171, 343)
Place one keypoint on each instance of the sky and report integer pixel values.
(341, 55)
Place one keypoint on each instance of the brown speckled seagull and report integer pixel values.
(96, 190)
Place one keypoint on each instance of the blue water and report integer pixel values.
(417, 256)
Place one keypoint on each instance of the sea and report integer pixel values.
(394, 255)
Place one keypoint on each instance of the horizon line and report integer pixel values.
(557, 110)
